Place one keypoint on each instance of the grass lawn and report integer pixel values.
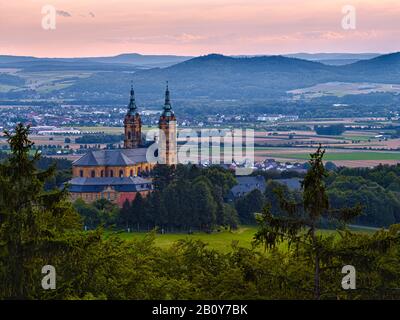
(220, 241)
(217, 240)
(358, 137)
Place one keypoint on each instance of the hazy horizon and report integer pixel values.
(205, 54)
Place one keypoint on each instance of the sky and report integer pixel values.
(197, 27)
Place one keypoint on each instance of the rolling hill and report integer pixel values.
(28, 63)
(210, 77)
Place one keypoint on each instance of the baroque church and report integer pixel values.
(120, 174)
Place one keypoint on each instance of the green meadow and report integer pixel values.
(221, 241)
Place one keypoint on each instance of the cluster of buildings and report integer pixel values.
(50, 117)
(52, 130)
(272, 164)
(62, 117)
(279, 117)
(119, 174)
(248, 184)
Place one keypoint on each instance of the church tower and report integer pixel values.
(167, 137)
(132, 125)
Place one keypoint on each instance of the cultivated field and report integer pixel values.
(367, 145)
(360, 147)
(340, 89)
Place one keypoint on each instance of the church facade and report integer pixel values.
(120, 174)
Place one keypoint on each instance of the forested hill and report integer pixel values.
(210, 77)
(221, 77)
(218, 77)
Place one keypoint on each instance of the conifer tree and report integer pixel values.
(299, 224)
(30, 217)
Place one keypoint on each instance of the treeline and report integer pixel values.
(248, 205)
(330, 130)
(100, 138)
(186, 199)
(63, 169)
(101, 213)
(190, 199)
(377, 189)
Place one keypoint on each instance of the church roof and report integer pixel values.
(246, 185)
(118, 157)
(124, 184)
(167, 109)
(132, 108)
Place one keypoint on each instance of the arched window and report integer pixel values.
(102, 173)
(131, 173)
(93, 173)
(129, 135)
(81, 173)
(139, 171)
(111, 173)
(121, 173)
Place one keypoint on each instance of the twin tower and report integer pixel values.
(167, 153)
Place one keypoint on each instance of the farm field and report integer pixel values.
(340, 89)
(356, 139)
(339, 156)
(365, 144)
(108, 130)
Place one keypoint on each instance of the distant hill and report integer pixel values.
(221, 77)
(387, 62)
(216, 77)
(143, 60)
(13, 59)
(131, 59)
(211, 77)
(50, 65)
(334, 58)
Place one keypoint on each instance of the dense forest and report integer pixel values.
(39, 227)
(100, 138)
(332, 130)
(173, 207)
(376, 189)
(184, 193)
(186, 198)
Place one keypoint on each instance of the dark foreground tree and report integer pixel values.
(299, 224)
(30, 218)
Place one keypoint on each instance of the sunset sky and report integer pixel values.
(195, 27)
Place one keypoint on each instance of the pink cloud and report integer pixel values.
(197, 27)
